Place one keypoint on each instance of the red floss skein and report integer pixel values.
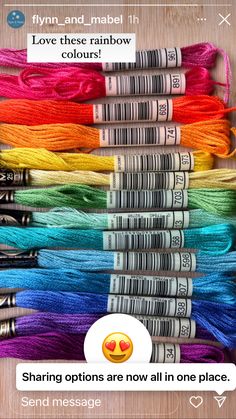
(70, 83)
(185, 109)
(203, 54)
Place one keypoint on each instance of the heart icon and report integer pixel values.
(111, 345)
(196, 401)
(124, 345)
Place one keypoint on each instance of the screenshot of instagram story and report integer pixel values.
(117, 209)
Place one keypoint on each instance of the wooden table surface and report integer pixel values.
(158, 27)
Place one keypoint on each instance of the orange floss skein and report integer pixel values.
(185, 110)
(211, 136)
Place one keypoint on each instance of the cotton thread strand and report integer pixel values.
(20, 158)
(70, 83)
(101, 261)
(203, 54)
(210, 136)
(219, 287)
(70, 347)
(41, 322)
(52, 322)
(210, 179)
(187, 109)
(221, 202)
(72, 218)
(217, 318)
(214, 240)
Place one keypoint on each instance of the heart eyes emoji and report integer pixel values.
(124, 345)
(117, 347)
(112, 344)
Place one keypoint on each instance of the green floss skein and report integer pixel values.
(72, 218)
(217, 201)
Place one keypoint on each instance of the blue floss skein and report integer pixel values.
(99, 261)
(214, 287)
(214, 240)
(217, 318)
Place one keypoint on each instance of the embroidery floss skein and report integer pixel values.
(70, 347)
(214, 240)
(20, 158)
(46, 160)
(216, 318)
(98, 261)
(212, 179)
(221, 202)
(186, 109)
(203, 54)
(80, 323)
(219, 287)
(72, 218)
(212, 136)
(71, 83)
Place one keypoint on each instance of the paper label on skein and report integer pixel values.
(153, 261)
(167, 353)
(176, 199)
(129, 240)
(157, 58)
(152, 306)
(148, 220)
(160, 84)
(149, 180)
(170, 162)
(139, 136)
(155, 111)
(169, 326)
(151, 285)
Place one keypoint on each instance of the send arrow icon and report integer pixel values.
(220, 400)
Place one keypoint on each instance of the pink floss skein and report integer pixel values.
(70, 83)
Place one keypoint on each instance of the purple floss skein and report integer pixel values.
(202, 353)
(43, 347)
(50, 322)
(70, 347)
(37, 323)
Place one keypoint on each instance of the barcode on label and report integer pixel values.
(152, 261)
(148, 220)
(156, 110)
(129, 240)
(170, 162)
(151, 285)
(155, 58)
(140, 136)
(148, 199)
(149, 180)
(165, 353)
(160, 84)
(169, 326)
(152, 306)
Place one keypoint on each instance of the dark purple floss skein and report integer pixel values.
(70, 347)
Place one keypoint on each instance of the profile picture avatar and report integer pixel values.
(16, 19)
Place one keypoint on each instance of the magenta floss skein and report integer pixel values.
(70, 347)
(203, 54)
(70, 83)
